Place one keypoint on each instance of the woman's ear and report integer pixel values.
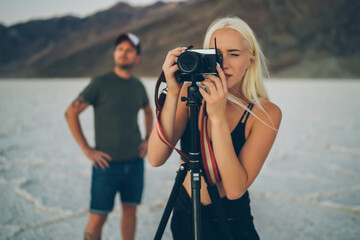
(252, 59)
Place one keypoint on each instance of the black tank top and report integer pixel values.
(237, 135)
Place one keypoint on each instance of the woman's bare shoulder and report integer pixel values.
(270, 107)
(269, 110)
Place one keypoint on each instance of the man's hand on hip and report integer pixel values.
(143, 148)
(99, 158)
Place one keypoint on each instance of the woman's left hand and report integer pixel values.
(215, 95)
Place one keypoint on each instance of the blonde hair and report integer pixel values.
(252, 87)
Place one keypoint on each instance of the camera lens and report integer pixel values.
(189, 62)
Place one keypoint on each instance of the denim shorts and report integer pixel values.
(127, 178)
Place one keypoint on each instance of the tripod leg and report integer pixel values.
(194, 102)
(180, 176)
(195, 197)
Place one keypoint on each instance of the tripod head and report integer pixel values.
(194, 97)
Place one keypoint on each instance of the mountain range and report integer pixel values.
(317, 39)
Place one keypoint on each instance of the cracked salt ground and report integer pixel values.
(309, 187)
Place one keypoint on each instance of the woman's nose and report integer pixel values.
(225, 62)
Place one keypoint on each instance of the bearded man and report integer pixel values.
(117, 157)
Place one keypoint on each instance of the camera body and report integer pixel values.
(194, 63)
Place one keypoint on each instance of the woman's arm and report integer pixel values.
(173, 117)
(239, 172)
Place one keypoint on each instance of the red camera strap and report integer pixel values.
(207, 153)
(208, 158)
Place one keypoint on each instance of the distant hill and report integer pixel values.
(300, 38)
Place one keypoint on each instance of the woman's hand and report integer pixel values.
(215, 95)
(170, 67)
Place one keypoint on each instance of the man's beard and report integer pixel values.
(125, 66)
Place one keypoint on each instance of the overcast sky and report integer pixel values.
(15, 11)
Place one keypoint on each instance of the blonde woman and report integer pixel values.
(242, 125)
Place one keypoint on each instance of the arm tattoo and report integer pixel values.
(78, 101)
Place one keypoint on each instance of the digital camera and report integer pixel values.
(197, 62)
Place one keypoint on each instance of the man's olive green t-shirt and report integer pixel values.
(116, 103)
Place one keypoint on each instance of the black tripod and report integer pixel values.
(195, 167)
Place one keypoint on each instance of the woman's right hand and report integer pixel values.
(170, 67)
